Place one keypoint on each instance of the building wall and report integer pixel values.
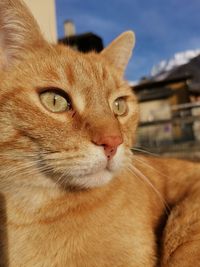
(196, 124)
(155, 110)
(151, 111)
(45, 14)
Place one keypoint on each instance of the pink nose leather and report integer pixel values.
(110, 144)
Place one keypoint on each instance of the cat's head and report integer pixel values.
(69, 116)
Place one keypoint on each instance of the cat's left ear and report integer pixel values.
(120, 50)
(19, 32)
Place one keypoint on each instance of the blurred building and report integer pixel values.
(82, 42)
(170, 107)
(158, 100)
(44, 12)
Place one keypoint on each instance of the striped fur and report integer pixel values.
(62, 201)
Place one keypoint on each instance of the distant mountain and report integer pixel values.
(177, 60)
(184, 65)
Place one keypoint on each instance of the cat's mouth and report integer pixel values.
(96, 177)
(95, 170)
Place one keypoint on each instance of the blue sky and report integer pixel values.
(162, 28)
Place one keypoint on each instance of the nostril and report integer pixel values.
(110, 151)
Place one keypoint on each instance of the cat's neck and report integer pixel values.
(39, 204)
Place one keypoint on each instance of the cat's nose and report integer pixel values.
(109, 143)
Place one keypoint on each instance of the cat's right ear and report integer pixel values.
(19, 32)
(120, 50)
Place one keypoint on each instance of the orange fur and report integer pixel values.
(62, 201)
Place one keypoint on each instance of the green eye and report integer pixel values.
(120, 106)
(55, 101)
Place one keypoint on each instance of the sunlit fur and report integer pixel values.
(62, 202)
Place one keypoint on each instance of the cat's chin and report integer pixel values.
(94, 170)
(93, 180)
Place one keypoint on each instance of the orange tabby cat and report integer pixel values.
(71, 192)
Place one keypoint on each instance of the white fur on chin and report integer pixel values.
(103, 176)
(93, 180)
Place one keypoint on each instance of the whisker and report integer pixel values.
(149, 166)
(144, 151)
(139, 174)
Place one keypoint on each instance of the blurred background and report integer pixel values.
(164, 71)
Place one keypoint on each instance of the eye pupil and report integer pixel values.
(54, 100)
(120, 106)
(117, 105)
